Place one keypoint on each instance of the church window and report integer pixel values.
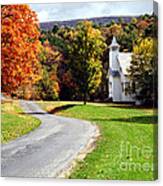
(133, 87)
(127, 87)
(110, 87)
(123, 88)
(114, 48)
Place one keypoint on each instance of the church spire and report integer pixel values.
(114, 43)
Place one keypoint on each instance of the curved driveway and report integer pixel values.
(48, 150)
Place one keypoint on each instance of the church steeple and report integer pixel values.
(113, 55)
(114, 44)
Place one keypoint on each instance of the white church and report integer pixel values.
(117, 74)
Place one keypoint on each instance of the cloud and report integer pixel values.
(43, 16)
(67, 11)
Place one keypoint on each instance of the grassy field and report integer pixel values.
(126, 148)
(15, 124)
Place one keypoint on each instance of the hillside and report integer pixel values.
(72, 23)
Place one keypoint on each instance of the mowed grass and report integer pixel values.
(14, 123)
(126, 149)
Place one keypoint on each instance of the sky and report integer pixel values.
(69, 11)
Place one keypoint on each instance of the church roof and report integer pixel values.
(124, 61)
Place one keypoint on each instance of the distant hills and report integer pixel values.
(97, 20)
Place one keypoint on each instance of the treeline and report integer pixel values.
(71, 63)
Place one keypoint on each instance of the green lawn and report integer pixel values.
(15, 124)
(126, 147)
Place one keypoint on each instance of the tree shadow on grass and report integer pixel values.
(128, 106)
(61, 108)
(33, 113)
(136, 120)
(53, 111)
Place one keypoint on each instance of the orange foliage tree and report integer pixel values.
(20, 47)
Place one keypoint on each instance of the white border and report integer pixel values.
(49, 182)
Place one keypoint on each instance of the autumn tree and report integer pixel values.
(85, 48)
(48, 87)
(143, 71)
(20, 47)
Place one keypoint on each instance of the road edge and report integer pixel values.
(81, 155)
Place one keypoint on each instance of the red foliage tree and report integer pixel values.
(20, 47)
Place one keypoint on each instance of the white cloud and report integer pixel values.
(67, 11)
(43, 16)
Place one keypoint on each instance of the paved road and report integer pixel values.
(49, 149)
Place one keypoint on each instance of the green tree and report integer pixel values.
(85, 48)
(121, 20)
(48, 88)
(143, 71)
(55, 29)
